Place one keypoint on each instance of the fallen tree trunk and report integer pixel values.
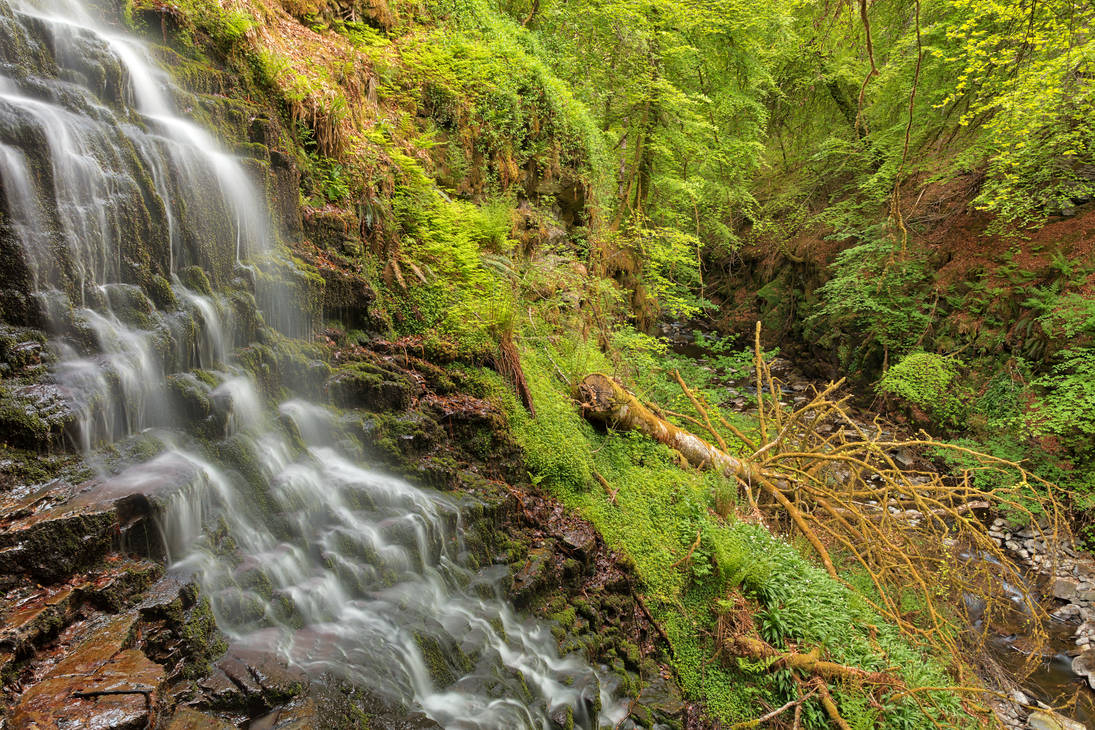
(606, 401)
(603, 400)
(898, 525)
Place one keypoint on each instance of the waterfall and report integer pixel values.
(125, 212)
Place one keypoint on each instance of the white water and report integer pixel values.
(302, 548)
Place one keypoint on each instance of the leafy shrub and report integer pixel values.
(1067, 409)
(927, 381)
(874, 303)
(670, 269)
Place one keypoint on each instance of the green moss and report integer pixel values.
(193, 277)
(224, 27)
(446, 664)
(32, 417)
(203, 641)
(190, 396)
(565, 617)
(24, 467)
(159, 291)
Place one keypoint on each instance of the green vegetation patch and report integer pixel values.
(930, 382)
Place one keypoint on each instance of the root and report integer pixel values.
(607, 487)
(809, 663)
(758, 722)
(508, 364)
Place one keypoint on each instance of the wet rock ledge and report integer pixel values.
(94, 637)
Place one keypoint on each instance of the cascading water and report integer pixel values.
(302, 549)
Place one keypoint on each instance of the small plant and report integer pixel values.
(335, 183)
(928, 382)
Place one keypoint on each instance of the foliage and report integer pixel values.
(677, 90)
(1027, 70)
(226, 27)
(1067, 410)
(1067, 315)
(872, 301)
(669, 269)
(481, 80)
(929, 382)
(447, 290)
(950, 86)
(727, 356)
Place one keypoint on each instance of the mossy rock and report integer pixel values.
(19, 467)
(928, 382)
(22, 348)
(55, 546)
(160, 293)
(446, 663)
(189, 396)
(35, 416)
(195, 278)
(370, 386)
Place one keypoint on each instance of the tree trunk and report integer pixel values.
(603, 400)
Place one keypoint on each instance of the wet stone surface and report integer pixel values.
(1070, 579)
(101, 684)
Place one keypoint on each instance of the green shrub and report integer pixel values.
(1067, 409)
(874, 304)
(928, 381)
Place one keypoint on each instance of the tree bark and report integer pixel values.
(603, 400)
(808, 663)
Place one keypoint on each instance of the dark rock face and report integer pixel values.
(369, 386)
(53, 545)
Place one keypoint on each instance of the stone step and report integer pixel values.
(252, 680)
(61, 530)
(190, 719)
(97, 682)
(30, 615)
(54, 544)
(303, 715)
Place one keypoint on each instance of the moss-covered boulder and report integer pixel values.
(370, 386)
(180, 629)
